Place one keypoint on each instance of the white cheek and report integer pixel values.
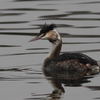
(45, 37)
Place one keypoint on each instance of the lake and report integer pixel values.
(21, 75)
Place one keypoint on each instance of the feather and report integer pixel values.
(47, 28)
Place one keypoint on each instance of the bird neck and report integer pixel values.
(55, 51)
(56, 48)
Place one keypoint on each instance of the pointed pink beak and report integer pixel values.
(36, 38)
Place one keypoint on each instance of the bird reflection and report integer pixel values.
(60, 79)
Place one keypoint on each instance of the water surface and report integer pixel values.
(21, 76)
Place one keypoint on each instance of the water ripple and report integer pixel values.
(10, 45)
(94, 2)
(11, 14)
(14, 22)
(70, 13)
(27, 9)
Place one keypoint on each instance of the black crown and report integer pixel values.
(47, 28)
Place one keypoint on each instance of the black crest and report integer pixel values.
(47, 28)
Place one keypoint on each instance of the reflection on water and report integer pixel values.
(78, 22)
(72, 79)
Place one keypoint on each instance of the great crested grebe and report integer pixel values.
(66, 61)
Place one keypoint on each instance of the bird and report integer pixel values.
(67, 61)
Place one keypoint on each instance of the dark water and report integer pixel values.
(21, 76)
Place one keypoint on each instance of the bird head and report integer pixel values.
(47, 32)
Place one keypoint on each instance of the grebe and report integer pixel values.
(66, 61)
